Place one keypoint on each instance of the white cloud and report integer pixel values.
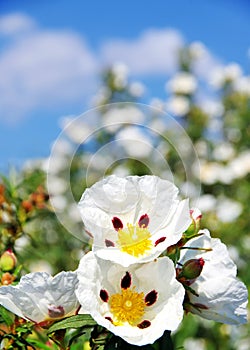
(15, 24)
(43, 68)
(154, 52)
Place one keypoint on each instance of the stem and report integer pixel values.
(165, 342)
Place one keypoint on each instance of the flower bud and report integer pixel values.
(7, 279)
(192, 269)
(8, 261)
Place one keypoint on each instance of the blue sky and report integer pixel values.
(51, 53)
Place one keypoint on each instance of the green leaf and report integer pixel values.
(73, 322)
(6, 316)
(38, 344)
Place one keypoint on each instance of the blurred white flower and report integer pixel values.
(40, 266)
(116, 117)
(182, 83)
(240, 166)
(220, 295)
(135, 141)
(129, 303)
(59, 202)
(210, 172)
(223, 151)
(228, 73)
(133, 219)
(57, 185)
(157, 104)
(212, 108)
(194, 344)
(178, 105)
(136, 89)
(242, 84)
(228, 210)
(76, 129)
(41, 298)
(120, 71)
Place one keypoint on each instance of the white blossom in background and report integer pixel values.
(228, 210)
(178, 106)
(242, 85)
(120, 71)
(210, 172)
(129, 303)
(194, 344)
(223, 152)
(220, 295)
(206, 202)
(58, 185)
(182, 83)
(117, 117)
(240, 166)
(135, 141)
(158, 104)
(211, 107)
(41, 298)
(228, 73)
(133, 219)
(76, 129)
(136, 89)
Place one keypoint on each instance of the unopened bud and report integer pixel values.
(7, 279)
(8, 261)
(192, 269)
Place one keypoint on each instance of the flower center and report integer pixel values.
(128, 306)
(134, 240)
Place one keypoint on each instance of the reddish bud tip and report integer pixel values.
(192, 269)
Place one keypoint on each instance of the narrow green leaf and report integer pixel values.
(73, 322)
(7, 317)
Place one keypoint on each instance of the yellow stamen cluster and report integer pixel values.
(128, 306)
(134, 240)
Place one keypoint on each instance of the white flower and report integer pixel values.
(41, 298)
(137, 303)
(182, 82)
(117, 117)
(242, 85)
(228, 210)
(178, 106)
(135, 141)
(133, 219)
(221, 296)
(224, 151)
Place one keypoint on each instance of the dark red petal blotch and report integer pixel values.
(143, 221)
(104, 295)
(126, 281)
(144, 324)
(109, 243)
(117, 223)
(160, 240)
(151, 298)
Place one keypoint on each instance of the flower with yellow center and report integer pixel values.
(133, 219)
(127, 306)
(126, 301)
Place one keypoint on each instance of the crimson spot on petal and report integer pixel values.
(117, 223)
(160, 240)
(144, 324)
(104, 295)
(109, 319)
(151, 298)
(143, 221)
(126, 281)
(109, 243)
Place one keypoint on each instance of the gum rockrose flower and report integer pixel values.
(41, 298)
(220, 296)
(137, 303)
(133, 219)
